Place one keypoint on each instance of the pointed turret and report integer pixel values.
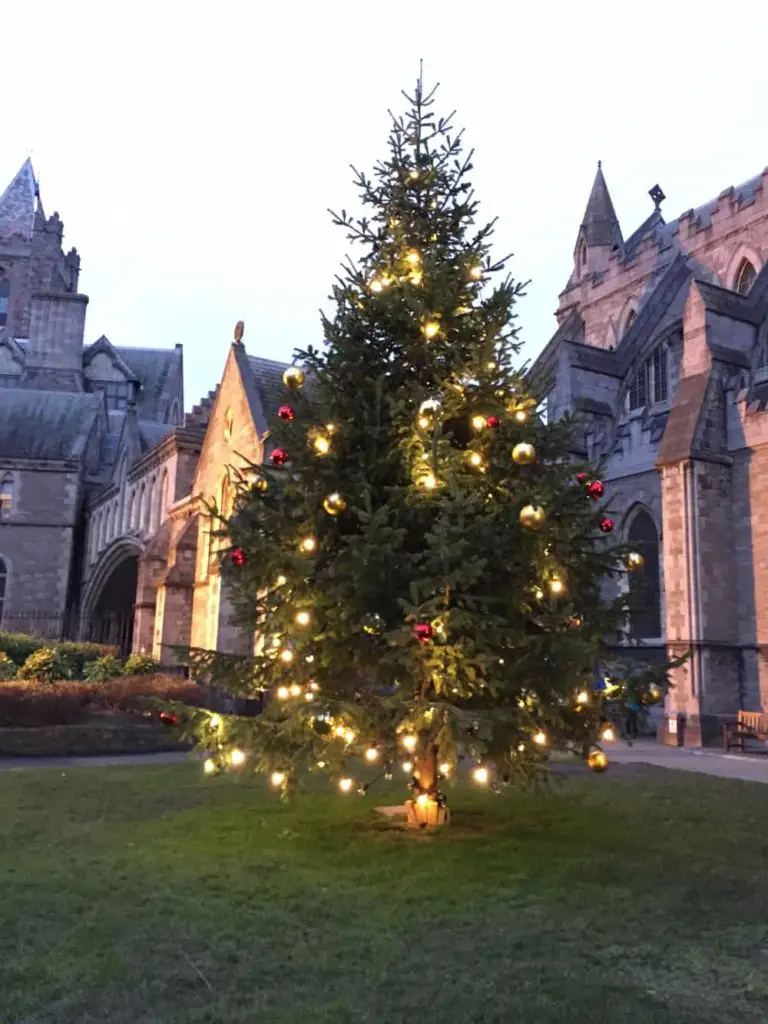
(17, 203)
(599, 234)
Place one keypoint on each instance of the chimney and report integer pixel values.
(55, 350)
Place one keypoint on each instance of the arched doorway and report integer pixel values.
(112, 615)
(110, 597)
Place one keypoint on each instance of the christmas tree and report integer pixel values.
(419, 560)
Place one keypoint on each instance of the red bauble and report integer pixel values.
(168, 719)
(492, 421)
(238, 557)
(595, 490)
(279, 457)
(285, 412)
(606, 524)
(423, 631)
(581, 477)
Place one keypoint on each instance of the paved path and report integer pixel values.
(751, 768)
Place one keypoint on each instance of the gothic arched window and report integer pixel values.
(3, 584)
(645, 583)
(745, 275)
(631, 317)
(6, 496)
(651, 384)
(5, 294)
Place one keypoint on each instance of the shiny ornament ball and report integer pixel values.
(423, 631)
(285, 412)
(262, 484)
(334, 504)
(279, 457)
(523, 454)
(606, 524)
(595, 490)
(293, 378)
(597, 761)
(635, 560)
(492, 422)
(581, 477)
(373, 624)
(238, 557)
(532, 516)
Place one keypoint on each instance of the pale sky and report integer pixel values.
(192, 150)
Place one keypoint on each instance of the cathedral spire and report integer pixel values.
(17, 203)
(600, 225)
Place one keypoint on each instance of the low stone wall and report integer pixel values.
(106, 736)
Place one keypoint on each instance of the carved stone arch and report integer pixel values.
(743, 254)
(628, 316)
(117, 552)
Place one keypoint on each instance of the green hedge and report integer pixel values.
(19, 646)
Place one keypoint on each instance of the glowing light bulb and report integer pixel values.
(423, 799)
(309, 659)
(408, 767)
(428, 481)
(521, 415)
(280, 581)
(409, 741)
(349, 736)
(286, 655)
(283, 693)
(481, 775)
(416, 277)
(302, 618)
(277, 779)
(313, 685)
(413, 257)
(556, 585)
(376, 285)
(308, 544)
(478, 422)
(339, 730)
(475, 459)
(308, 695)
(491, 365)
(476, 272)
(209, 766)
(424, 422)
(608, 734)
(321, 444)
(345, 785)
(520, 747)
(444, 768)
(538, 594)
(431, 329)
(413, 173)
(372, 754)
(540, 738)
(215, 722)
(582, 697)
(295, 690)
(237, 757)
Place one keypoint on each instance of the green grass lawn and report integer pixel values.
(151, 894)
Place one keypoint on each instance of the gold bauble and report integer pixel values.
(262, 484)
(334, 504)
(293, 378)
(635, 560)
(597, 761)
(523, 454)
(532, 516)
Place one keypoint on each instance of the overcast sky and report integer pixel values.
(192, 150)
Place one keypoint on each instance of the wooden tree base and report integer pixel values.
(426, 814)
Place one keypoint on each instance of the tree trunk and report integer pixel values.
(425, 810)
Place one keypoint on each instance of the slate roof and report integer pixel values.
(263, 382)
(62, 423)
(17, 203)
(152, 366)
(151, 433)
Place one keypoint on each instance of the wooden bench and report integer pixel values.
(751, 725)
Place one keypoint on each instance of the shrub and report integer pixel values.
(141, 665)
(31, 703)
(103, 669)
(8, 668)
(19, 646)
(45, 666)
(139, 693)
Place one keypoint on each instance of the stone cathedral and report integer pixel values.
(662, 348)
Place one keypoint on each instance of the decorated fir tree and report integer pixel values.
(419, 560)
